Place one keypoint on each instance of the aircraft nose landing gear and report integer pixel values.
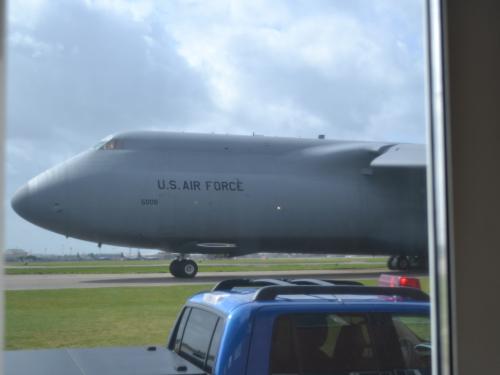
(404, 262)
(183, 268)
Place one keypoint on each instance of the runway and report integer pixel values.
(66, 281)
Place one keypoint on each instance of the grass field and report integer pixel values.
(221, 265)
(92, 317)
(96, 317)
(224, 261)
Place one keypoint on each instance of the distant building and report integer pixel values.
(15, 255)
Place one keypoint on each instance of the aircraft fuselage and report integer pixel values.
(192, 193)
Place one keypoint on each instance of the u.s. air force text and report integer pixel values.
(199, 185)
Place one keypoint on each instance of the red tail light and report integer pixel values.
(410, 282)
(395, 281)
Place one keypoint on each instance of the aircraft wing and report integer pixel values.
(401, 156)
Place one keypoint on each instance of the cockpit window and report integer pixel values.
(108, 144)
(111, 145)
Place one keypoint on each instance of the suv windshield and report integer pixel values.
(343, 343)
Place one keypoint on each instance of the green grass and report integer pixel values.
(222, 261)
(92, 317)
(325, 265)
(86, 263)
(97, 317)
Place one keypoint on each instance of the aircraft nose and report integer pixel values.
(41, 202)
(21, 201)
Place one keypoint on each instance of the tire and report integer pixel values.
(403, 263)
(391, 263)
(175, 268)
(188, 268)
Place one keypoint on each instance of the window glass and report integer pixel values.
(214, 346)
(180, 328)
(263, 129)
(98, 145)
(414, 335)
(283, 358)
(342, 343)
(113, 144)
(197, 336)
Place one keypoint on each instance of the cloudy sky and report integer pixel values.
(79, 70)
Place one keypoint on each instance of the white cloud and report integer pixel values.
(25, 13)
(136, 10)
(37, 48)
(336, 64)
(79, 70)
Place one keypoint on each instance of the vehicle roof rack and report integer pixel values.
(269, 293)
(226, 285)
(324, 282)
(240, 283)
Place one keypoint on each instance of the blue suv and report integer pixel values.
(305, 326)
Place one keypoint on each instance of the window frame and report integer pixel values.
(188, 309)
(438, 187)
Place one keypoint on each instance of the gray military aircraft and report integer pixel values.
(234, 195)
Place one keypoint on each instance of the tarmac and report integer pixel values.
(68, 281)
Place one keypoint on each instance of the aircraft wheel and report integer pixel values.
(391, 264)
(403, 263)
(188, 268)
(175, 268)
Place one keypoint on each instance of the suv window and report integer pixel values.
(340, 343)
(198, 342)
(180, 329)
(214, 345)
